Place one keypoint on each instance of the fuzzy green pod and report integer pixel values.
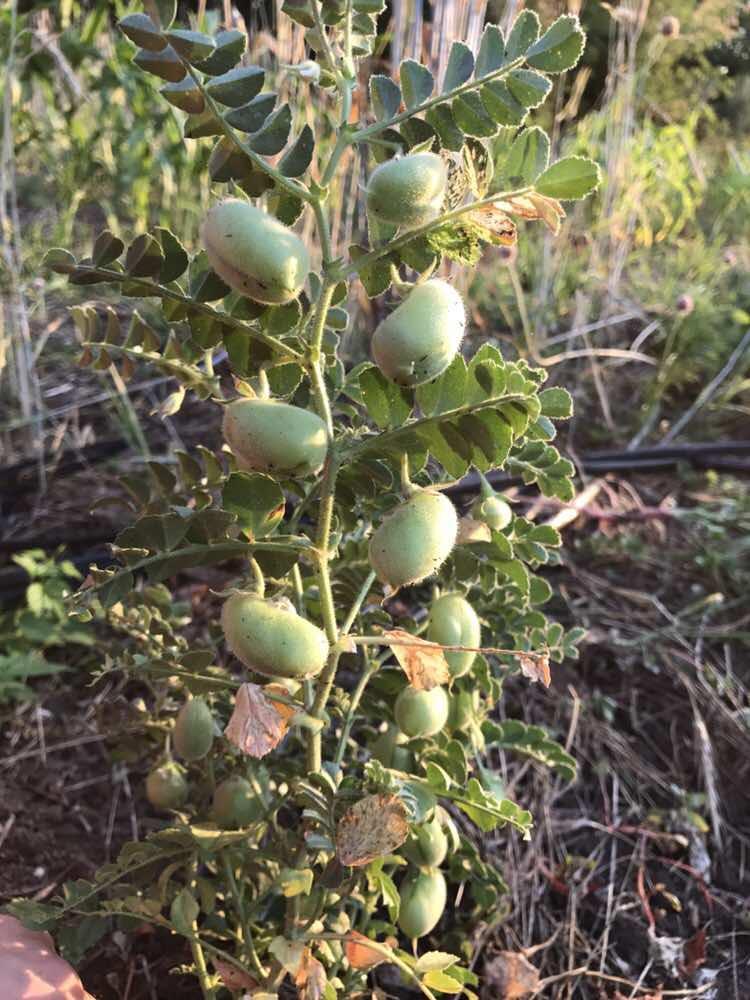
(235, 804)
(423, 897)
(254, 253)
(194, 730)
(166, 787)
(463, 710)
(408, 191)
(266, 435)
(389, 749)
(421, 713)
(414, 540)
(270, 638)
(420, 338)
(453, 622)
(493, 511)
(428, 844)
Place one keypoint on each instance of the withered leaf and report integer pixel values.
(374, 826)
(536, 668)
(311, 978)
(470, 530)
(423, 662)
(360, 954)
(258, 723)
(233, 978)
(511, 975)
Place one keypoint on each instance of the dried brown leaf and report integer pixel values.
(536, 668)
(470, 530)
(311, 978)
(234, 978)
(359, 954)
(511, 975)
(374, 826)
(499, 228)
(423, 662)
(258, 723)
(695, 952)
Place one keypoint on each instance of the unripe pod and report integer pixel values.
(389, 749)
(463, 709)
(266, 435)
(166, 787)
(271, 638)
(235, 803)
(428, 845)
(453, 622)
(421, 713)
(414, 540)
(254, 253)
(423, 897)
(422, 336)
(194, 730)
(408, 190)
(493, 511)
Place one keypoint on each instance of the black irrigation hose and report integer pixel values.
(723, 455)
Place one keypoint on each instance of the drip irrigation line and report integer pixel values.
(729, 456)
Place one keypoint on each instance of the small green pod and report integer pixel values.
(463, 710)
(166, 787)
(235, 804)
(270, 638)
(389, 749)
(408, 191)
(421, 713)
(453, 622)
(254, 253)
(414, 540)
(266, 435)
(423, 897)
(420, 338)
(493, 511)
(428, 844)
(193, 730)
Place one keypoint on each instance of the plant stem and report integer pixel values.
(325, 518)
(382, 440)
(226, 549)
(153, 288)
(239, 905)
(356, 266)
(260, 582)
(358, 602)
(363, 134)
(320, 28)
(292, 186)
(200, 964)
(382, 640)
(371, 667)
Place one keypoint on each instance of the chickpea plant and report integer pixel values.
(319, 765)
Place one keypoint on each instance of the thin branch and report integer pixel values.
(153, 288)
(364, 134)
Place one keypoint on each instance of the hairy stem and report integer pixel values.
(153, 288)
(358, 265)
(371, 666)
(292, 186)
(363, 134)
(245, 923)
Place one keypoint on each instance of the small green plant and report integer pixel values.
(43, 622)
(307, 870)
